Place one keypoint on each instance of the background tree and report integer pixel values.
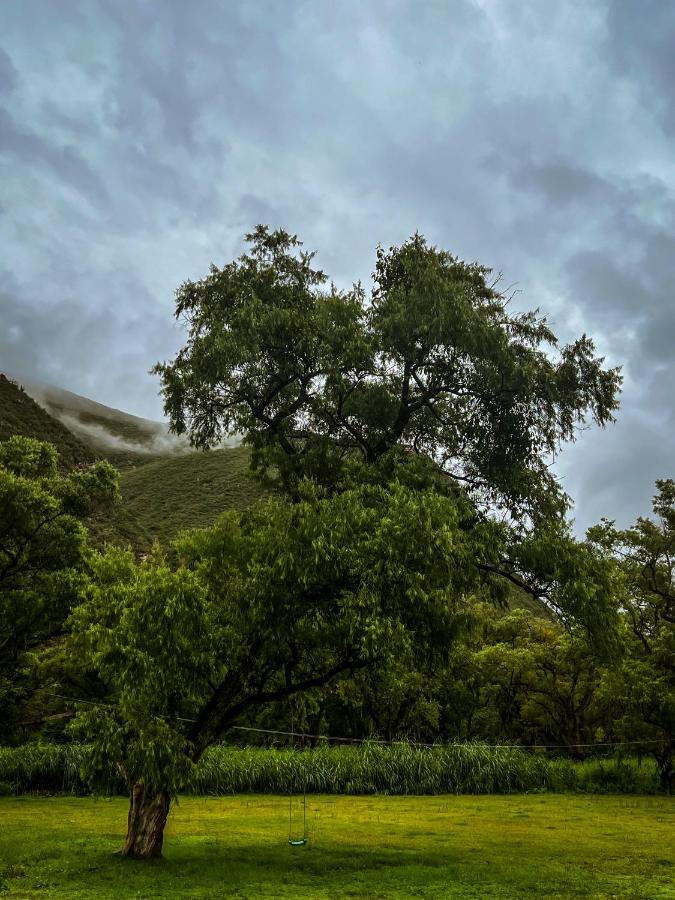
(642, 686)
(540, 683)
(509, 675)
(42, 553)
(433, 361)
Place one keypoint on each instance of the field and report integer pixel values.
(534, 846)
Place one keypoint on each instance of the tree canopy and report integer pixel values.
(643, 684)
(432, 360)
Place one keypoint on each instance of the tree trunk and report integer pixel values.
(147, 817)
(666, 769)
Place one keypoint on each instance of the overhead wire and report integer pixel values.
(380, 741)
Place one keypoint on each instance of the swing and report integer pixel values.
(300, 841)
(297, 841)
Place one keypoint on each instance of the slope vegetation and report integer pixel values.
(124, 439)
(165, 487)
(168, 495)
(20, 414)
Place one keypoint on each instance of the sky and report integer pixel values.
(139, 142)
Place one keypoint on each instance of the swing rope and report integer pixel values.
(297, 842)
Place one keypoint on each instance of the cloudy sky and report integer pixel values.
(140, 140)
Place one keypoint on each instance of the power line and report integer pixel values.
(379, 741)
(325, 737)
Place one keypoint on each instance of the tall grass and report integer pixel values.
(366, 769)
(56, 768)
(406, 769)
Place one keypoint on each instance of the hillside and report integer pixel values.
(165, 496)
(20, 414)
(124, 439)
(165, 487)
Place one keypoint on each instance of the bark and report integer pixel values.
(147, 817)
(666, 769)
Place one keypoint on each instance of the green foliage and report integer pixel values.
(508, 676)
(405, 769)
(42, 551)
(272, 601)
(139, 632)
(642, 684)
(434, 362)
(50, 768)
(540, 683)
(577, 580)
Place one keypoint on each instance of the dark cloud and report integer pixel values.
(8, 74)
(102, 354)
(139, 142)
(641, 46)
(64, 163)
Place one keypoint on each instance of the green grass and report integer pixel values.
(168, 494)
(376, 847)
(190, 491)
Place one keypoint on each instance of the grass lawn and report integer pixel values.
(536, 846)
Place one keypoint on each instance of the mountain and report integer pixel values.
(20, 414)
(118, 436)
(165, 485)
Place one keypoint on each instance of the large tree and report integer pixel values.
(42, 552)
(270, 602)
(432, 360)
(394, 426)
(279, 599)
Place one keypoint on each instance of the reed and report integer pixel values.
(366, 769)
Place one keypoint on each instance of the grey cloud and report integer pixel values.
(562, 183)
(608, 289)
(631, 285)
(103, 353)
(8, 73)
(63, 162)
(613, 475)
(641, 45)
(142, 140)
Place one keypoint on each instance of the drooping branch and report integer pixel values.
(222, 709)
(537, 593)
